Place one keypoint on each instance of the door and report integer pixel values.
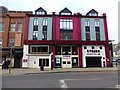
(75, 62)
(93, 62)
(66, 63)
(44, 62)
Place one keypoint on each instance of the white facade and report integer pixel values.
(87, 53)
(32, 60)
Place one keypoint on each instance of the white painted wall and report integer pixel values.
(33, 60)
(25, 56)
(89, 47)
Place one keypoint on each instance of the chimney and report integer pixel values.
(53, 13)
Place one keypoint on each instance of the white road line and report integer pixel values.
(84, 79)
(117, 86)
(62, 84)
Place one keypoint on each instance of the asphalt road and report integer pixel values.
(63, 80)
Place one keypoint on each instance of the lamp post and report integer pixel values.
(11, 49)
(111, 50)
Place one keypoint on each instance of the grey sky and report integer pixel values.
(110, 7)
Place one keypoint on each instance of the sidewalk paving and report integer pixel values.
(23, 71)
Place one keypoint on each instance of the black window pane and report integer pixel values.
(87, 28)
(66, 35)
(35, 28)
(44, 28)
(47, 62)
(97, 29)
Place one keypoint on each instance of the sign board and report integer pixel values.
(57, 60)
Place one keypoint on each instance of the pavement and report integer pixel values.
(25, 71)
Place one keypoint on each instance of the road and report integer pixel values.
(63, 80)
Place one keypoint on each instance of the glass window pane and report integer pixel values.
(2, 26)
(12, 26)
(19, 26)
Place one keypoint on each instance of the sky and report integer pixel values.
(110, 7)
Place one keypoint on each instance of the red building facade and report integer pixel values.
(66, 40)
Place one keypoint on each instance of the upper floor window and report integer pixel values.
(19, 27)
(35, 29)
(66, 24)
(66, 29)
(2, 26)
(45, 22)
(97, 23)
(44, 30)
(87, 22)
(12, 26)
(35, 21)
(11, 41)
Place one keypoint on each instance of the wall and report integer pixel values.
(102, 53)
(40, 20)
(92, 29)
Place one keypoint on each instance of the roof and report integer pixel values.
(65, 10)
(92, 11)
(40, 10)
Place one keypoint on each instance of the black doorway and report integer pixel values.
(93, 62)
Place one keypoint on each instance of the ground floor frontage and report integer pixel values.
(14, 55)
(66, 56)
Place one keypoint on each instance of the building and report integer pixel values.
(12, 28)
(116, 51)
(66, 40)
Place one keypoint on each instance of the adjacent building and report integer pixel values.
(66, 40)
(12, 26)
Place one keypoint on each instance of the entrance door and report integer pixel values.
(44, 62)
(93, 62)
(74, 61)
(66, 63)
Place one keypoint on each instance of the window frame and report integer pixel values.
(2, 26)
(12, 28)
(36, 46)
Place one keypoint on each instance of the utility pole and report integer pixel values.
(11, 48)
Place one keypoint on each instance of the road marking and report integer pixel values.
(84, 79)
(62, 84)
(117, 86)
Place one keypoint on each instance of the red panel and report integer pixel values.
(26, 28)
(105, 28)
(65, 42)
(80, 56)
(107, 56)
(76, 28)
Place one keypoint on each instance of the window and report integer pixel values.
(36, 21)
(97, 23)
(87, 22)
(74, 50)
(2, 26)
(87, 29)
(97, 30)
(11, 41)
(0, 41)
(44, 31)
(66, 29)
(66, 24)
(35, 29)
(41, 13)
(35, 35)
(66, 50)
(19, 28)
(39, 49)
(12, 26)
